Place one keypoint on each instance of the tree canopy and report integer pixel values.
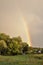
(12, 46)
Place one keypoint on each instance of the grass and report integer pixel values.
(29, 59)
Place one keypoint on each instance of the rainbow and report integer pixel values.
(27, 31)
(25, 25)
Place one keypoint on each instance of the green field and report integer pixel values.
(29, 59)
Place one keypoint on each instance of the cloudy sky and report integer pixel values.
(12, 24)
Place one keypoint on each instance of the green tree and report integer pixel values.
(3, 47)
(25, 47)
(18, 39)
(42, 50)
(3, 36)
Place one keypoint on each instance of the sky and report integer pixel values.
(12, 13)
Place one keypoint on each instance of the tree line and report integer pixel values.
(15, 46)
(12, 46)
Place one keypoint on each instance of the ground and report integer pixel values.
(29, 59)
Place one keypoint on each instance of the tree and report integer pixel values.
(25, 47)
(12, 46)
(18, 39)
(3, 36)
(3, 47)
(42, 50)
(15, 48)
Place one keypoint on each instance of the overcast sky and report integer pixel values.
(32, 10)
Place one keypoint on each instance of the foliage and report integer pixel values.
(3, 47)
(15, 45)
(12, 46)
